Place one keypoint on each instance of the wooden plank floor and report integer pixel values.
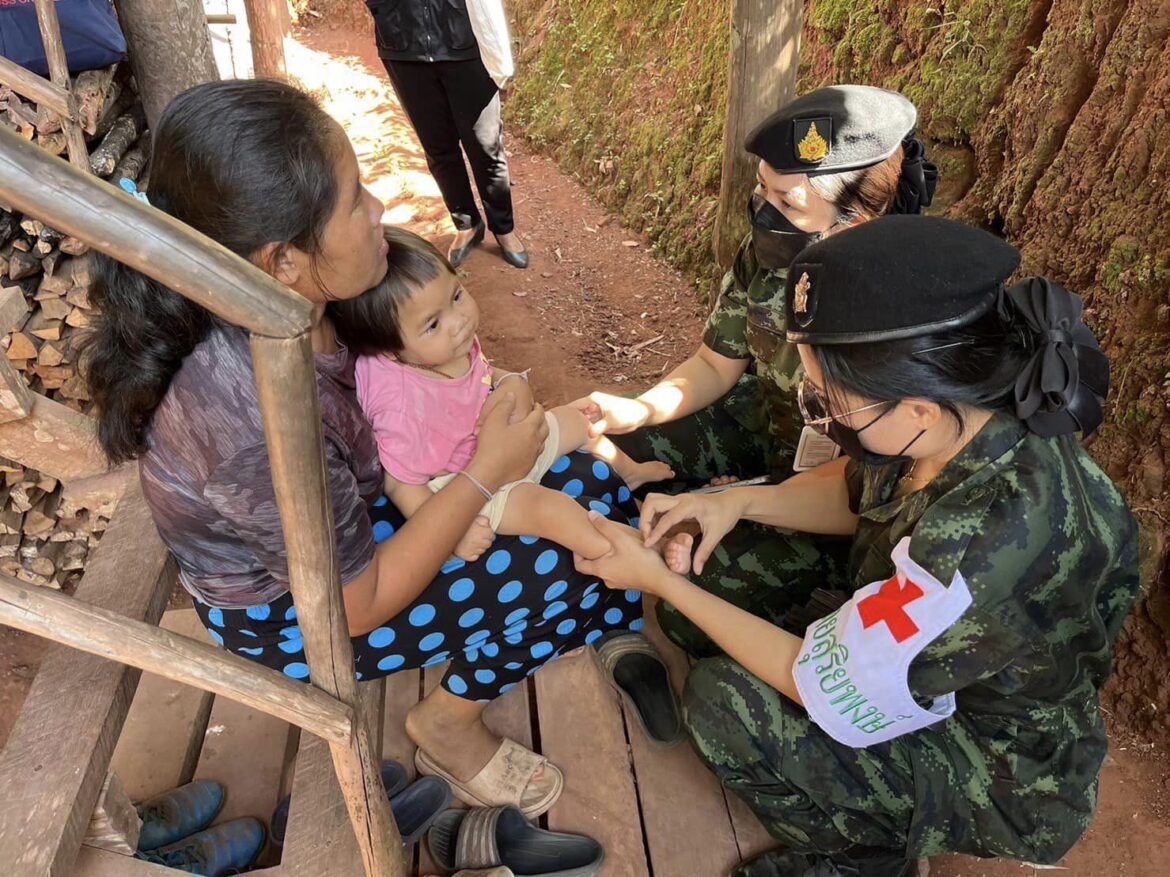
(659, 813)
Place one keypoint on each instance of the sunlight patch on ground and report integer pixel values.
(363, 101)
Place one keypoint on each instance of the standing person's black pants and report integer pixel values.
(451, 103)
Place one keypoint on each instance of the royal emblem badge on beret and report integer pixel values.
(812, 138)
(803, 306)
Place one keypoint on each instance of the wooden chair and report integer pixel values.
(55, 761)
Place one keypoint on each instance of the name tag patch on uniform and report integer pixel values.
(814, 450)
(853, 666)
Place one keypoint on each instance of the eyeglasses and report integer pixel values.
(814, 408)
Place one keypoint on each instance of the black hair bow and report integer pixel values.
(919, 178)
(1062, 388)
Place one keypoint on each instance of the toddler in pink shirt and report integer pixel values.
(423, 381)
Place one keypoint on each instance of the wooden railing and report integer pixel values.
(66, 198)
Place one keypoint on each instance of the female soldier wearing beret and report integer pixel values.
(836, 156)
(951, 704)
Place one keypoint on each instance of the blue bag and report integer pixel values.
(89, 30)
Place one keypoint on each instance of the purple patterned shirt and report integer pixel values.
(207, 480)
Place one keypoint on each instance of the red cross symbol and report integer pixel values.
(889, 605)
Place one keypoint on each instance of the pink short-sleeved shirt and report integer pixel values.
(425, 425)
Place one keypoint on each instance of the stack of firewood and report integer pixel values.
(43, 538)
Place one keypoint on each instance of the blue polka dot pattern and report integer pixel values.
(560, 465)
(516, 615)
(613, 616)
(589, 601)
(504, 689)
(291, 646)
(248, 633)
(514, 639)
(498, 561)
(290, 614)
(215, 616)
(600, 470)
(623, 494)
(599, 507)
(541, 650)
(216, 637)
(591, 588)
(435, 660)
(491, 650)
(546, 562)
(476, 638)
(607, 497)
(380, 502)
(517, 628)
(453, 565)
(529, 540)
(555, 590)
(431, 641)
(381, 638)
(555, 609)
(513, 665)
(253, 652)
(422, 615)
(633, 596)
(383, 530)
(297, 670)
(637, 624)
(471, 618)
(391, 662)
(592, 637)
(456, 685)
(573, 488)
(566, 627)
(293, 632)
(509, 592)
(461, 590)
(484, 676)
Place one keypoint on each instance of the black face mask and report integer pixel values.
(848, 440)
(776, 240)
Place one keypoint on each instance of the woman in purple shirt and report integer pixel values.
(260, 168)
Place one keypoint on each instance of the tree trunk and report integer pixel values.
(765, 51)
(268, 23)
(169, 47)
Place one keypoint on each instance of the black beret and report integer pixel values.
(834, 129)
(895, 277)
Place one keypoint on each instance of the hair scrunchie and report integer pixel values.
(919, 178)
(1062, 388)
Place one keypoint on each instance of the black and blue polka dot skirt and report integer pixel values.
(496, 620)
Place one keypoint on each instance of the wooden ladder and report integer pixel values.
(56, 759)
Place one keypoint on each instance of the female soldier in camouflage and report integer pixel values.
(835, 157)
(951, 704)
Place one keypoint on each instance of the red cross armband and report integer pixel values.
(852, 669)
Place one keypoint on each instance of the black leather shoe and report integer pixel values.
(515, 258)
(456, 255)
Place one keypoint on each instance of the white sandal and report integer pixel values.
(508, 778)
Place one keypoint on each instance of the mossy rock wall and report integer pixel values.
(1050, 118)
(629, 96)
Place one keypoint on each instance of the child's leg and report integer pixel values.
(575, 434)
(533, 510)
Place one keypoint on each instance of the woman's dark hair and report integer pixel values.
(368, 324)
(247, 163)
(973, 366)
(866, 193)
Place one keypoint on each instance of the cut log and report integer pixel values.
(92, 90)
(54, 143)
(41, 249)
(55, 308)
(22, 264)
(54, 285)
(75, 388)
(74, 554)
(122, 135)
(21, 347)
(132, 163)
(51, 354)
(74, 246)
(43, 327)
(81, 272)
(50, 262)
(78, 296)
(16, 399)
(77, 318)
(32, 227)
(9, 544)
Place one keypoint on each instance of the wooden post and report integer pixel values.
(297, 457)
(59, 73)
(169, 47)
(268, 24)
(765, 53)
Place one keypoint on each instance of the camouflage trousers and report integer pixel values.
(811, 793)
(769, 572)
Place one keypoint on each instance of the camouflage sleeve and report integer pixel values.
(726, 330)
(987, 541)
(241, 490)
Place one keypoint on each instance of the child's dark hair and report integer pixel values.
(368, 324)
(245, 162)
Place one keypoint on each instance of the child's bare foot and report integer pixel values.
(637, 474)
(676, 551)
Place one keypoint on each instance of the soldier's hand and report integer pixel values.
(715, 513)
(629, 565)
(615, 415)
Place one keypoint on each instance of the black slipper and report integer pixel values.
(487, 837)
(634, 668)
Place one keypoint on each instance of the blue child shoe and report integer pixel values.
(176, 814)
(394, 780)
(215, 851)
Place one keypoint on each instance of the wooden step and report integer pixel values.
(56, 758)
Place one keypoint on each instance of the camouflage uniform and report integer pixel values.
(1049, 551)
(751, 431)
